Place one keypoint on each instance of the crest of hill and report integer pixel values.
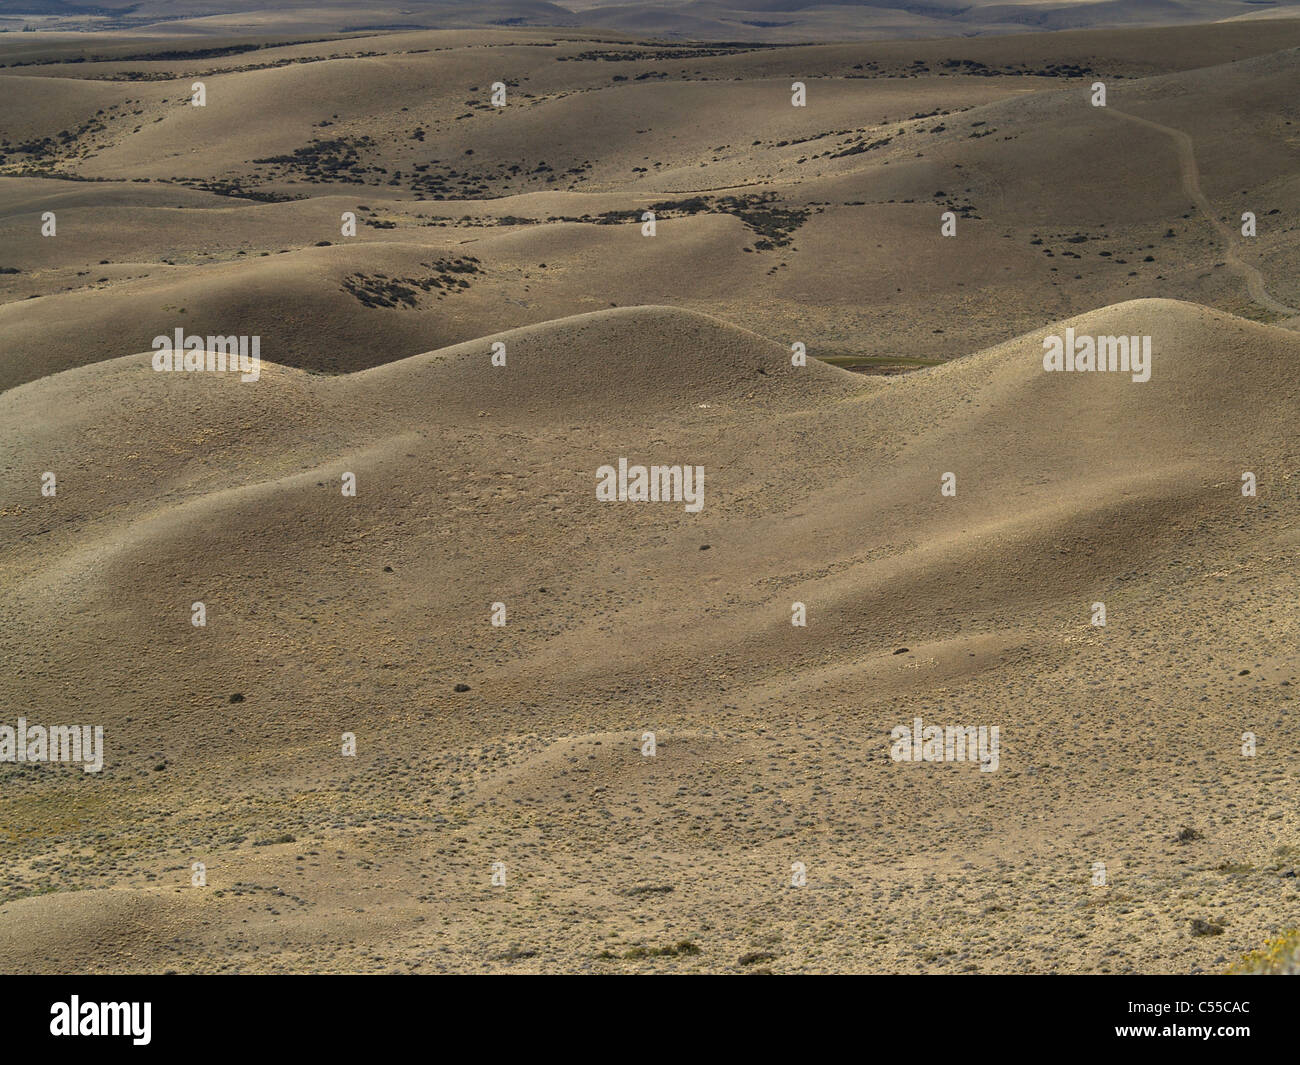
(1096, 453)
(1199, 350)
(1210, 371)
(120, 431)
(298, 302)
(1222, 390)
(613, 361)
(611, 366)
(1219, 384)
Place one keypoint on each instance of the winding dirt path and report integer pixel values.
(1191, 176)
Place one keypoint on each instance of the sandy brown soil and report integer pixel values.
(476, 484)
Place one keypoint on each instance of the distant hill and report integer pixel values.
(749, 20)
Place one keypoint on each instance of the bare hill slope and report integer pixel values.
(476, 484)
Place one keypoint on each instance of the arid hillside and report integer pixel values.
(395, 670)
(821, 224)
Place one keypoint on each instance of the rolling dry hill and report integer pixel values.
(476, 485)
(497, 330)
(820, 224)
(694, 20)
